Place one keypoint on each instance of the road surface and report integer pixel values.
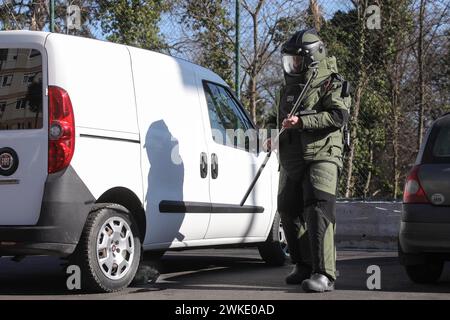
(224, 274)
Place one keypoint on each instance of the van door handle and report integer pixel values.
(214, 166)
(203, 165)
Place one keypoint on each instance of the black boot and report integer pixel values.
(318, 283)
(298, 274)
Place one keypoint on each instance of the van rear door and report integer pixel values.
(23, 130)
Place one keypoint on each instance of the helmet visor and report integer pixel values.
(293, 64)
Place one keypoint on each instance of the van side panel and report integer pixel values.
(172, 140)
(98, 77)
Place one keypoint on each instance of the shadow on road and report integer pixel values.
(33, 276)
(219, 273)
(40, 276)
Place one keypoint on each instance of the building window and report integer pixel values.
(7, 80)
(2, 106)
(20, 104)
(28, 78)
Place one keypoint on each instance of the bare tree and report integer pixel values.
(362, 79)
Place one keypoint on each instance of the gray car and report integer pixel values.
(424, 239)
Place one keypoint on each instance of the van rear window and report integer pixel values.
(20, 89)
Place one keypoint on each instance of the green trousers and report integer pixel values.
(306, 203)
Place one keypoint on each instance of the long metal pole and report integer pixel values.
(275, 140)
(237, 47)
(52, 15)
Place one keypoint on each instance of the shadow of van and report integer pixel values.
(165, 182)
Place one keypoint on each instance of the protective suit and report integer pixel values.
(310, 156)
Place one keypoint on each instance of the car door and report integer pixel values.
(234, 161)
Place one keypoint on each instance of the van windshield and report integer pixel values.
(20, 89)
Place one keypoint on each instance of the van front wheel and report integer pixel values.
(109, 250)
(274, 250)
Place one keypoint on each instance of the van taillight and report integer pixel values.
(61, 129)
(414, 192)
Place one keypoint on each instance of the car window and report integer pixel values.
(437, 148)
(441, 146)
(229, 123)
(21, 89)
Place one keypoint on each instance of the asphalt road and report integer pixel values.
(224, 274)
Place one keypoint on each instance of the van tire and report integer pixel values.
(93, 279)
(273, 251)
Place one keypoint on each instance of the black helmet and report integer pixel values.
(302, 50)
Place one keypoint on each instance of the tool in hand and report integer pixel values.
(275, 140)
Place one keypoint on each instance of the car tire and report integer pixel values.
(109, 251)
(274, 250)
(429, 272)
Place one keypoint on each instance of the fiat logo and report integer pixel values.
(6, 161)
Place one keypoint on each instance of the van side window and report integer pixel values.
(230, 126)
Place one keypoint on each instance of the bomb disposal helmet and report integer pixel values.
(301, 51)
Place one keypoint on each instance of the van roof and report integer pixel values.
(43, 35)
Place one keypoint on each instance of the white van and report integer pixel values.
(107, 151)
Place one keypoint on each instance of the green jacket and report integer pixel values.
(321, 136)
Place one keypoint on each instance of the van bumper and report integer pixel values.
(65, 207)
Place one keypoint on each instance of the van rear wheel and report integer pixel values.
(109, 251)
(274, 250)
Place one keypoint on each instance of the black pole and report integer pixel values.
(275, 141)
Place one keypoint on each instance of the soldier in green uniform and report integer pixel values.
(310, 153)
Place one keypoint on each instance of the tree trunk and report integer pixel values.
(254, 66)
(252, 96)
(315, 13)
(369, 174)
(395, 92)
(349, 186)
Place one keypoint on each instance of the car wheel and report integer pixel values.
(429, 272)
(109, 251)
(274, 250)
